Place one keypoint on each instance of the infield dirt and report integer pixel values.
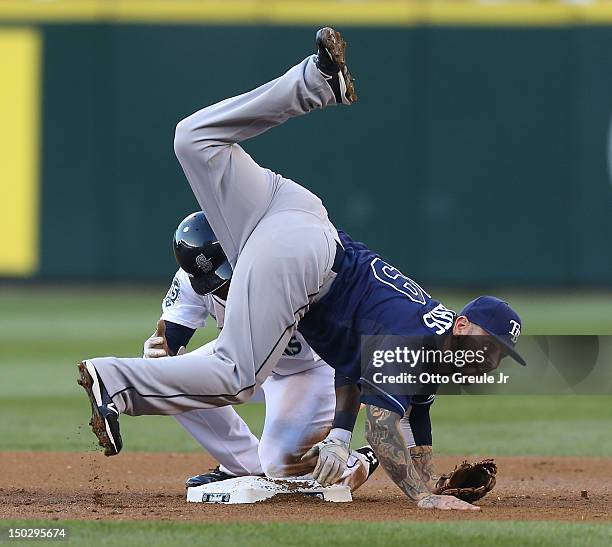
(140, 486)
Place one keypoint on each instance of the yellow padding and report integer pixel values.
(312, 12)
(19, 150)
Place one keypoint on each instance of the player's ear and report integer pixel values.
(461, 326)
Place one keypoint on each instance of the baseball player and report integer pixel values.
(299, 394)
(290, 266)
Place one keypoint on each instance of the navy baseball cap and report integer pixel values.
(497, 318)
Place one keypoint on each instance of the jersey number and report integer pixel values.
(173, 293)
(391, 276)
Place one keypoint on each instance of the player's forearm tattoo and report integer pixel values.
(422, 460)
(383, 434)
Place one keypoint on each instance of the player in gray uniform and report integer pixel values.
(277, 238)
(300, 397)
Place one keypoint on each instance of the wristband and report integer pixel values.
(341, 435)
(344, 419)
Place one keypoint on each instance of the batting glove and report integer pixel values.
(333, 454)
(156, 345)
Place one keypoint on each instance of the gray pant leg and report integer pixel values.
(282, 266)
(286, 246)
(233, 190)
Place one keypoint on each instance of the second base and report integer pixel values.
(254, 489)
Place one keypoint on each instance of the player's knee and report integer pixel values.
(280, 464)
(271, 459)
(282, 457)
(183, 139)
(244, 394)
(191, 137)
(274, 469)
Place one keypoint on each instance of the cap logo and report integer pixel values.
(515, 330)
(203, 263)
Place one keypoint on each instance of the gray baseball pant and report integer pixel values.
(276, 234)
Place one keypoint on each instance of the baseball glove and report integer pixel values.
(468, 481)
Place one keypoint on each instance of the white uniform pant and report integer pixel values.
(293, 424)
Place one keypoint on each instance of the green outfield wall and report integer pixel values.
(477, 154)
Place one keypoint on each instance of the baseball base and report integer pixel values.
(254, 489)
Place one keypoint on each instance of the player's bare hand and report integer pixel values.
(156, 345)
(445, 503)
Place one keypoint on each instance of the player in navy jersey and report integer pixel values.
(288, 270)
(371, 299)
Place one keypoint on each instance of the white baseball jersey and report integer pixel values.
(182, 305)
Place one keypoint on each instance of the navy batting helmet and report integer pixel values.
(199, 253)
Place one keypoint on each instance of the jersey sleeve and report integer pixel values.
(390, 371)
(373, 395)
(182, 305)
(349, 243)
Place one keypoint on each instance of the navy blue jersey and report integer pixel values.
(370, 297)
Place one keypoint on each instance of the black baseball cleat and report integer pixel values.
(214, 475)
(331, 62)
(104, 414)
(370, 456)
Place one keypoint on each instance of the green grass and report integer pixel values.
(425, 534)
(549, 312)
(491, 425)
(45, 331)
